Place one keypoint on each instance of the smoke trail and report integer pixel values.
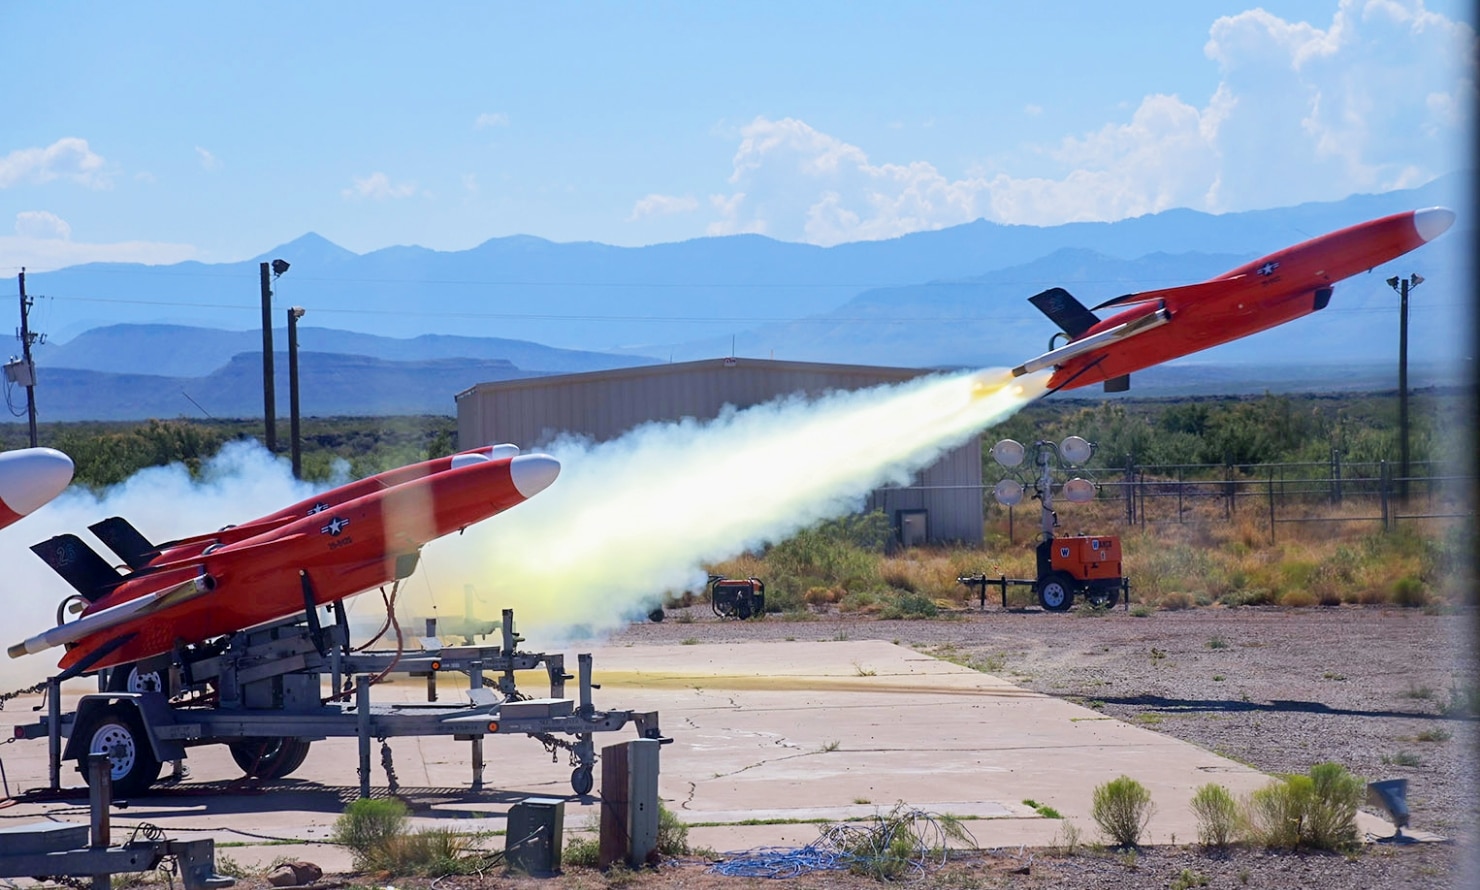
(240, 482)
(627, 519)
(633, 517)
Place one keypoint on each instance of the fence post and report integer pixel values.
(1130, 489)
(1335, 475)
(1181, 481)
(1384, 478)
(1271, 504)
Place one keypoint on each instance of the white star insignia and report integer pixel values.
(335, 526)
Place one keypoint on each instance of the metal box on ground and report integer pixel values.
(533, 842)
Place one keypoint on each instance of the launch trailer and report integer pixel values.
(268, 693)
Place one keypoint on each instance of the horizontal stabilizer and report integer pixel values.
(79, 565)
(125, 540)
(1177, 297)
(1065, 311)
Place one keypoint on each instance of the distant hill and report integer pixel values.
(666, 298)
(329, 385)
(181, 351)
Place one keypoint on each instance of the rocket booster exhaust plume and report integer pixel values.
(639, 515)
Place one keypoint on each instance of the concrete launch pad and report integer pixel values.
(778, 735)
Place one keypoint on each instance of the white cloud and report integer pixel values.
(1032, 110)
(43, 242)
(41, 224)
(208, 161)
(1378, 99)
(796, 183)
(379, 187)
(470, 183)
(69, 159)
(493, 119)
(663, 205)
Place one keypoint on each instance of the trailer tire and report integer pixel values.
(1056, 591)
(118, 730)
(268, 758)
(582, 780)
(1103, 599)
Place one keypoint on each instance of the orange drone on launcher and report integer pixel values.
(1161, 325)
(320, 551)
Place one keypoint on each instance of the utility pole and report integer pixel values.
(294, 448)
(1402, 286)
(27, 369)
(269, 398)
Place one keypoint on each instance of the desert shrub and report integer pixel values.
(1252, 596)
(1176, 601)
(1217, 816)
(820, 596)
(673, 835)
(860, 601)
(908, 605)
(584, 852)
(1410, 592)
(1298, 599)
(1316, 811)
(369, 821)
(434, 852)
(1122, 807)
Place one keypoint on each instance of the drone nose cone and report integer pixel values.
(1432, 222)
(32, 476)
(533, 473)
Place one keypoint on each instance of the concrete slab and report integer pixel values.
(769, 739)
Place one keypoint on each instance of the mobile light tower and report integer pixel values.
(1067, 566)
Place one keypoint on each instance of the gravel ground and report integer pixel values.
(1278, 689)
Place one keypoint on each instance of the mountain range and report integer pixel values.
(126, 340)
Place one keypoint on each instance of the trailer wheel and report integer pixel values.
(582, 780)
(1056, 591)
(1103, 599)
(268, 758)
(118, 731)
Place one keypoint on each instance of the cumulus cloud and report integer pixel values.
(41, 224)
(378, 186)
(68, 159)
(663, 205)
(1378, 98)
(43, 242)
(208, 161)
(491, 119)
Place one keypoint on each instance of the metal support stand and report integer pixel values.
(362, 708)
(475, 675)
(54, 733)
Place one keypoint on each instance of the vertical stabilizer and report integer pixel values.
(1065, 311)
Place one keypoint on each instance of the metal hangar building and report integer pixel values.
(943, 503)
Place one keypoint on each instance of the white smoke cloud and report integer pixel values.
(626, 520)
(631, 518)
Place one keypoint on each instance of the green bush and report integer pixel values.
(584, 852)
(673, 835)
(1122, 807)
(1410, 592)
(434, 852)
(369, 821)
(909, 605)
(1316, 811)
(1217, 816)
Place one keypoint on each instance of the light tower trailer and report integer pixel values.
(261, 692)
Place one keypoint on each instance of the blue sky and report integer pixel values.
(158, 132)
